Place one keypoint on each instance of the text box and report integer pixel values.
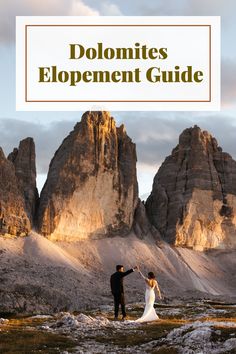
(117, 63)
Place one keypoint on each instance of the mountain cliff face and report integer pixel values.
(91, 188)
(193, 200)
(13, 216)
(23, 159)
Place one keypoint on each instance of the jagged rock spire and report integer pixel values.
(13, 216)
(23, 159)
(193, 200)
(91, 188)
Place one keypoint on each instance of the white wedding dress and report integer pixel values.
(149, 311)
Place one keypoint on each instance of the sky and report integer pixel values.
(155, 133)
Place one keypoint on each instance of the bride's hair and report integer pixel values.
(151, 275)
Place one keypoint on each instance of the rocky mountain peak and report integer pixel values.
(97, 117)
(91, 188)
(24, 161)
(13, 216)
(2, 156)
(196, 138)
(194, 194)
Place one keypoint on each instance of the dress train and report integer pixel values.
(149, 313)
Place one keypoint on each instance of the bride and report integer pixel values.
(149, 311)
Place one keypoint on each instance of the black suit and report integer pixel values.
(117, 289)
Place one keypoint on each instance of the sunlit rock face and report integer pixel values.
(23, 159)
(193, 200)
(91, 188)
(14, 219)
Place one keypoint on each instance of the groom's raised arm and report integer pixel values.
(127, 272)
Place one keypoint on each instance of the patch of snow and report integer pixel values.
(106, 308)
(41, 316)
(3, 321)
(45, 328)
(196, 338)
(84, 318)
(230, 344)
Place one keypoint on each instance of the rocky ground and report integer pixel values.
(188, 328)
(38, 276)
(55, 297)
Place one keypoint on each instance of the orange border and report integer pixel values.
(118, 25)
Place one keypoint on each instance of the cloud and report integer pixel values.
(186, 7)
(156, 133)
(79, 8)
(209, 7)
(47, 138)
(225, 9)
(228, 83)
(12, 8)
(109, 9)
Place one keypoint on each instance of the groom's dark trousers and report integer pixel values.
(117, 289)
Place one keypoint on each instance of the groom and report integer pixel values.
(117, 289)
